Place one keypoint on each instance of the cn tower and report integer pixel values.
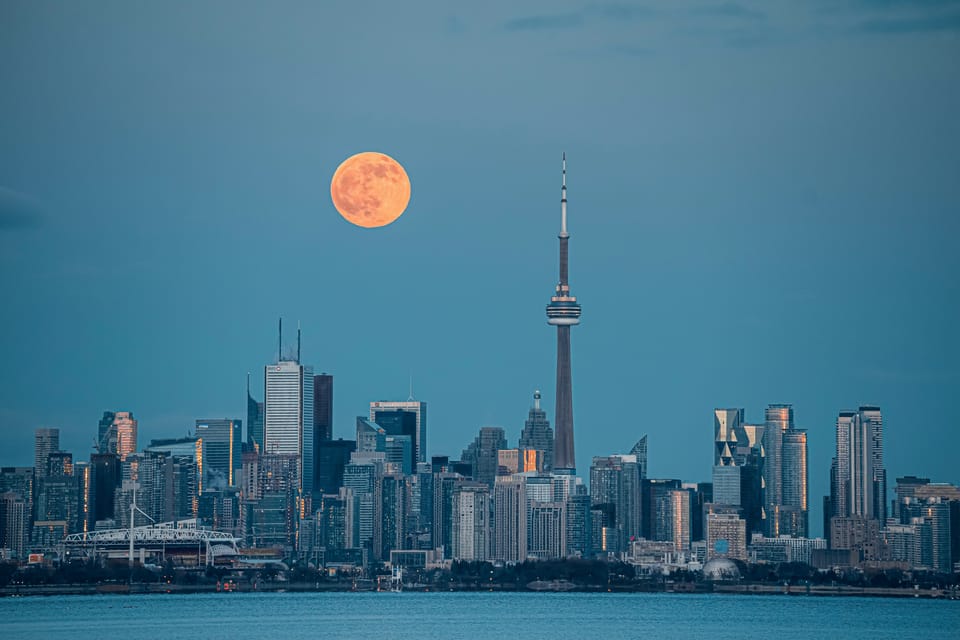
(564, 312)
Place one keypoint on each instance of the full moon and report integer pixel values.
(370, 189)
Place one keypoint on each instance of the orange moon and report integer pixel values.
(370, 189)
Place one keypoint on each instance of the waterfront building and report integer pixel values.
(392, 520)
(391, 413)
(547, 533)
(672, 518)
(858, 534)
(726, 536)
(615, 482)
(14, 524)
(420, 514)
(537, 434)
(579, 529)
(470, 523)
(509, 519)
(563, 312)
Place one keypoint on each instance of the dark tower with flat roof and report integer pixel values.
(563, 312)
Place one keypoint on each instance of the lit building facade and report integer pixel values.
(288, 416)
(537, 434)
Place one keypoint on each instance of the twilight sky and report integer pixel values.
(764, 203)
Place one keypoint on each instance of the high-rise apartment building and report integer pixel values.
(563, 312)
(778, 420)
(288, 416)
(640, 450)
(46, 441)
(615, 488)
(537, 433)
(510, 519)
(858, 479)
(125, 428)
(386, 411)
(470, 522)
(793, 516)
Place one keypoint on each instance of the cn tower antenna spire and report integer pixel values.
(563, 198)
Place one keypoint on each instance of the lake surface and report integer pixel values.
(474, 616)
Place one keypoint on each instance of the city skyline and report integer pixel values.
(764, 214)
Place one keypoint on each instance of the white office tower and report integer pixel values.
(288, 415)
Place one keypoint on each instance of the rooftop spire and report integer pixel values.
(563, 198)
(536, 399)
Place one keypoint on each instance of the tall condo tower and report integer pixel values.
(564, 312)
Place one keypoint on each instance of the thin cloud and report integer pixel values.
(607, 11)
(545, 22)
(895, 26)
(729, 10)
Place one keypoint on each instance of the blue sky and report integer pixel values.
(764, 205)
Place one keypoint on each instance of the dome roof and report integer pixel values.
(721, 569)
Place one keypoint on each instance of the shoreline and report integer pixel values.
(701, 589)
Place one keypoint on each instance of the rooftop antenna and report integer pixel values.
(248, 384)
(280, 341)
(298, 342)
(410, 398)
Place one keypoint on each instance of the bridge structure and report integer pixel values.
(184, 541)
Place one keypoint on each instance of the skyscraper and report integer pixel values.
(738, 465)
(794, 509)
(640, 450)
(510, 519)
(537, 433)
(778, 419)
(419, 409)
(858, 477)
(106, 435)
(221, 451)
(482, 454)
(288, 415)
(470, 522)
(46, 441)
(254, 420)
(125, 427)
(615, 488)
(563, 312)
(322, 407)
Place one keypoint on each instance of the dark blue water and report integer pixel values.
(473, 616)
